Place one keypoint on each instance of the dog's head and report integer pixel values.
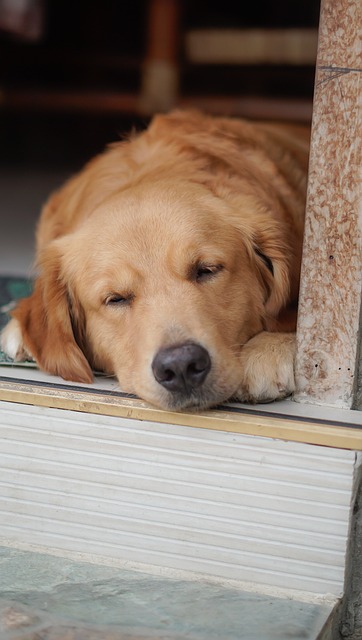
(162, 286)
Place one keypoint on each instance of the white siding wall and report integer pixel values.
(223, 504)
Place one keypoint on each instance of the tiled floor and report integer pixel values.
(23, 192)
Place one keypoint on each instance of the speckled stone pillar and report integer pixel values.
(330, 296)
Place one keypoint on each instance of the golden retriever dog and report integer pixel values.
(172, 260)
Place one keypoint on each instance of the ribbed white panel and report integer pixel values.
(224, 504)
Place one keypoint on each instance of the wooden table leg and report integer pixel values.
(160, 74)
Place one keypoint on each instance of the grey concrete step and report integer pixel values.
(56, 598)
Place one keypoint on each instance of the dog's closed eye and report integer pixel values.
(202, 272)
(117, 299)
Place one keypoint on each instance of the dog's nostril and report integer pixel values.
(181, 368)
(168, 375)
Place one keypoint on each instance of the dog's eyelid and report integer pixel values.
(205, 271)
(118, 299)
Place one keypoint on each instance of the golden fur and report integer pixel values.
(189, 233)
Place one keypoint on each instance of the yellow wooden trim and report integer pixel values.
(270, 426)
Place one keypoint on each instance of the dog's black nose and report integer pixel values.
(181, 368)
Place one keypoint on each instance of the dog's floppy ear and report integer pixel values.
(273, 262)
(50, 326)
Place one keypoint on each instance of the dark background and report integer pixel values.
(99, 46)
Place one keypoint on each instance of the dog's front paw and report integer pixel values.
(11, 342)
(267, 368)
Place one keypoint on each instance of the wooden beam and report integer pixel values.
(107, 102)
(238, 420)
(60, 101)
(330, 297)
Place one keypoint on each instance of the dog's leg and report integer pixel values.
(267, 367)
